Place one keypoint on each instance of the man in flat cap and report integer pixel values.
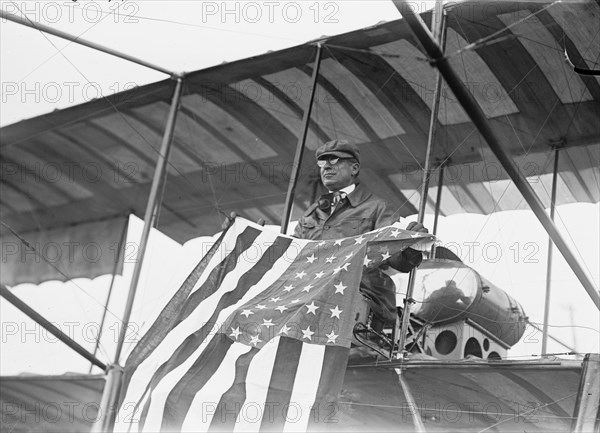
(350, 209)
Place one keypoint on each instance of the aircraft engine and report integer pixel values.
(461, 306)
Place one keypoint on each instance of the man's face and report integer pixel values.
(340, 175)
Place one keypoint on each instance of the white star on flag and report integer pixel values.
(312, 308)
(277, 299)
(246, 313)
(339, 288)
(284, 329)
(348, 256)
(235, 333)
(267, 323)
(395, 233)
(359, 240)
(319, 275)
(288, 288)
(385, 256)
(255, 340)
(281, 308)
(338, 242)
(330, 259)
(307, 333)
(366, 261)
(300, 274)
(261, 306)
(331, 337)
(307, 288)
(311, 258)
(335, 312)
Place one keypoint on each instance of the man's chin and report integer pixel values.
(329, 184)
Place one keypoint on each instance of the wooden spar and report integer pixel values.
(437, 21)
(549, 264)
(110, 394)
(289, 199)
(150, 215)
(438, 205)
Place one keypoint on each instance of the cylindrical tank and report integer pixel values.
(448, 291)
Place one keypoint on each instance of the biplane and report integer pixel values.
(478, 107)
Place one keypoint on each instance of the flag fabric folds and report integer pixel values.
(257, 337)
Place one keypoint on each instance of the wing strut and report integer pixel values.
(549, 264)
(438, 24)
(289, 199)
(474, 111)
(438, 204)
(108, 404)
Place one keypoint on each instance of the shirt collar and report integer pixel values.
(347, 190)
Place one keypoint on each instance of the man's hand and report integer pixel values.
(416, 227)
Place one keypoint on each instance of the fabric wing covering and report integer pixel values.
(238, 125)
(468, 395)
(257, 337)
(65, 403)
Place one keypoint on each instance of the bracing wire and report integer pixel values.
(494, 36)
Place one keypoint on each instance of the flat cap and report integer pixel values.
(339, 148)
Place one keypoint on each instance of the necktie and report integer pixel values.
(337, 197)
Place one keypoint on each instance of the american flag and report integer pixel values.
(257, 337)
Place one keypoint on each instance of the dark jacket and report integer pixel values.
(360, 212)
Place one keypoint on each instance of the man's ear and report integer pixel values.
(355, 169)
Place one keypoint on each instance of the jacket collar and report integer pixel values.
(359, 195)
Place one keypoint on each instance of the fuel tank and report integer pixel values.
(448, 291)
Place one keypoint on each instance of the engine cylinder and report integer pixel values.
(448, 291)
